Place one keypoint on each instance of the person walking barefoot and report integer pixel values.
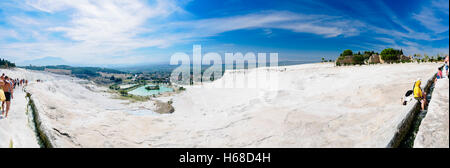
(8, 90)
(2, 96)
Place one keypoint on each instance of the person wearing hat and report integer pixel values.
(419, 95)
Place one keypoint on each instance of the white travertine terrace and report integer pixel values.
(433, 131)
(315, 105)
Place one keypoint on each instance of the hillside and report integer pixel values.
(80, 72)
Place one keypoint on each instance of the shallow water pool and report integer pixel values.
(141, 91)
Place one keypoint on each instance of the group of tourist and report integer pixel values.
(20, 82)
(440, 75)
(8, 85)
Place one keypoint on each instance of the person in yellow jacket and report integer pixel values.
(419, 95)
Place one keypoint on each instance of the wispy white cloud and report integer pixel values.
(431, 16)
(100, 29)
(428, 18)
(104, 29)
(101, 21)
(386, 40)
(442, 5)
(8, 33)
(109, 31)
(327, 26)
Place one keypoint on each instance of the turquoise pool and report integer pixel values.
(141, 91)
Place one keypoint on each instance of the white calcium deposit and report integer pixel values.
(433, 131)
(313, 105)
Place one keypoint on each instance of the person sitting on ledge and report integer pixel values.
(419, 95)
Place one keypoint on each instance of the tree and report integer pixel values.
(367, 54)
(426, 57)
(6, 64)
(390, 55)
(347, 52)
(417, 56)
(118, 80)
(440, 57)
(123, 92)
(358, 59)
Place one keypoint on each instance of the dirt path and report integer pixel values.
(17, 128)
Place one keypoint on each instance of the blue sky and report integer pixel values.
(110, 32)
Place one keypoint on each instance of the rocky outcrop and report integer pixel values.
(405, 58)
(163, 107)
(375, 59)
(434, 129)
(345, 60)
